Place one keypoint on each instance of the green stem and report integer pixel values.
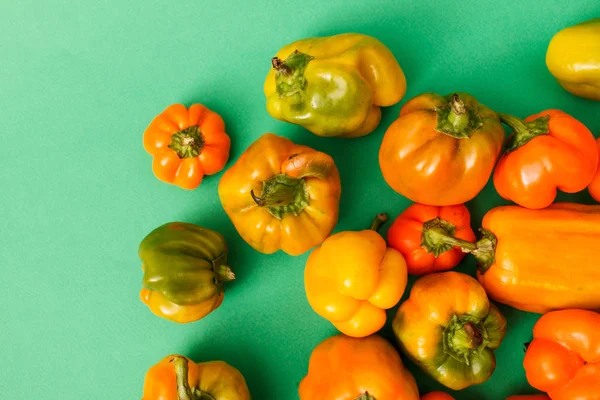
(289, 75)
(457, 119)
(438, 237)
(365, 396)
(464, 336)
(187, 142)
(184, 391)
(225, 273)
(379, 220)
(281, 195)
(524, 131)
(485, 254)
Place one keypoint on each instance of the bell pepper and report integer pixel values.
(281, 196)
(549, 151)
(449, 328)
(573, 58)
(529, 397)
(335, 85)
(184, 269)
(186, 144)
(345, 368)
(442, 149)
(563, 359)
(594, 187)
(437, 396)
(416, 234)
(541, 260)
(353, 277)
(177, 377)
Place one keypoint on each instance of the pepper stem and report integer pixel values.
(438, 237)
(187, 142)
(524, 131)
(457, 119)
(464, 336)
(282, 194)
(379, 220)
(485, 254)
(184, 391)
(365, 396)
(225, 273)
(289, 75)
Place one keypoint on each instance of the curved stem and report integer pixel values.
(184, 392)
(485, 254)
(438, 237)
(379, 220)
(524, 131)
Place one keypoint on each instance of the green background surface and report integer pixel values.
(79, 83)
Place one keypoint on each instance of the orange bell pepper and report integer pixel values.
(541, 260)
(429, 237)
(176, 377)
(564, 357)
(594, 187)
(450, 329)
(529, 397)
(547, 152)
(352, 278)
(186, 144)
(442, 149)
(345, 368)
(437, 396)
(282, 196)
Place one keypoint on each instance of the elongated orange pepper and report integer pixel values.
(186, 144)
(352, 278)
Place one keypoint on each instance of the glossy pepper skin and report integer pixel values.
(281, 196)
(335, 85)
(541, 260)
(442, 149)
(594, 187)
(416, 234)
(548, 151)
(345, 368)
(564, 357)
(177, 377)
(187, 144)
(449, 328)
(573, 58)
(184, 269)
(353, 277)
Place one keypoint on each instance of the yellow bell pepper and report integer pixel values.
(282, 196)
(334, 85)
(573, 58)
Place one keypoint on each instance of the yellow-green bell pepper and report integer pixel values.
(334, 85)
(573, 58)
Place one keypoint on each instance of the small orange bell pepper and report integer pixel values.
(345, 368)
(437, 396)
(177, 377)
(547, 152)
(352, 278)
(282, 196)
(429, 237)
(563, 359)
(594, 187)
(186, 144)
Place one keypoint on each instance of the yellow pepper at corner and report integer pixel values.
(334, 85)
(281, 195)
(573, 58)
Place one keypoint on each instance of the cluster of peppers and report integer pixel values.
(536, 255)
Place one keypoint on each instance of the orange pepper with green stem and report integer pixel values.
(548, 151)
(281, 196)
(564, 357)
(353, 277)
(176, 377)
(429, 237)
(187, 144)
(345, 368)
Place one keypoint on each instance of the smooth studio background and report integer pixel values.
(79, 83)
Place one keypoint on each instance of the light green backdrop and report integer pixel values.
(79, 83)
